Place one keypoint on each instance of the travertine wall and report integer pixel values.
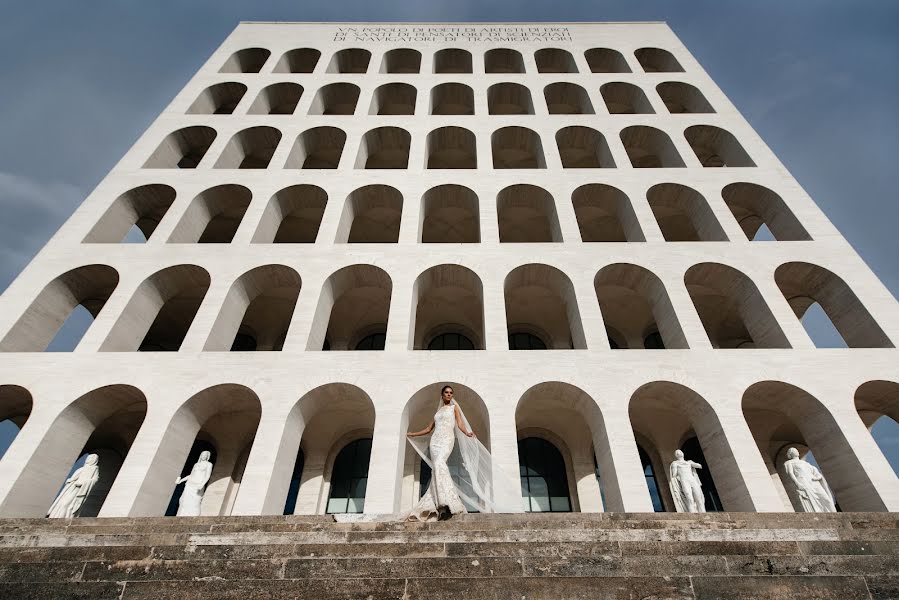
(582, 396)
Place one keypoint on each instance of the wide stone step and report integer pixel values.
(500, 588)
(564, 550)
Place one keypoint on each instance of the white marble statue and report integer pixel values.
(810, 485)
(686, 489)
(76, 489)
(194, 487)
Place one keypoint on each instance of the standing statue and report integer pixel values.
(686, 489)
(76, 489)
(194, 487)
(814, 493)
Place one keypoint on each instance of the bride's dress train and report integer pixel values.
(442, 491)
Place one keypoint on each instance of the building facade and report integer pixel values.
(560, 220)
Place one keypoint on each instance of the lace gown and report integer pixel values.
(442, 491)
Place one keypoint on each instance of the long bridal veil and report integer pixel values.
(482, 484)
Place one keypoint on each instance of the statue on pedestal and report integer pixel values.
(194, 487)
(76, 489)
(810, 485)
(686, 489)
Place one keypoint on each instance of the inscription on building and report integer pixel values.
(453, 33)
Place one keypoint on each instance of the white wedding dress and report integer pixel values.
(442, 491)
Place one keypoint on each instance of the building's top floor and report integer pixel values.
(456, 48)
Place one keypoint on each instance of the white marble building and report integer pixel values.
(584, 190)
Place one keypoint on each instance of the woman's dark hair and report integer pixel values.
(443, 389)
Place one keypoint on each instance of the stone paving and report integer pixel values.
(562, 556)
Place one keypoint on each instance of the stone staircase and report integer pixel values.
(490, 557)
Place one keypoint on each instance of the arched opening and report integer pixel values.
(554, 60)
(625, 98)
(298, 60)
(160, 312)
(635, 304)
(321, 425)
(540, 300)
(452, 99)
(393, 99)
(583, 148)
(448, 302)
(781, 416)
(213, 217)
(715, 147)
(257, 311)
(277, 99)
(754, 206)
(606, 60)
(731, 308)
(293, 216)
(527, 213)
(15, 408)
(683, 214)
(141, 208)
(224, 417)
(354, 304)
(804, 284)
(46, 318)
(877, 403)
(656, 60)
(561, 442)
(509, 99)
(335, 99)
(605, 214)
(450, 215)
(104, 422)
(503, 60)
(317, 148)
(248, 60)
(517, 148)
(666, 417)
(451, 148)
(384, 148)
(350, 60)
(567, 99)
(218, 99)
(452, 60)
(680, 98)
(251, 148)
(371, 214)
(649, 148)
(401, 60)
(182, 149)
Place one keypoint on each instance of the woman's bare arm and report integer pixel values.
(424, 431)
(460, 424)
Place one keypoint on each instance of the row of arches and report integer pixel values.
(508, 98)
(321, 461)
(541, 309)
(449, 213)
(449, 147)
(450, 60)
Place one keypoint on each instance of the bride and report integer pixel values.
(442, 499)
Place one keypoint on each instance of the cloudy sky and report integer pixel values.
(817, 79)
